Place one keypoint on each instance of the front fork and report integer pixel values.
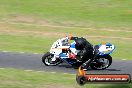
(55, 57)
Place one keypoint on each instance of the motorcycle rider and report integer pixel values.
(85, 48)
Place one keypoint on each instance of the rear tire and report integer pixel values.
(95, 67)
(46, 59)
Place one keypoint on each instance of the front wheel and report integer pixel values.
(102, 62)
(47, 60)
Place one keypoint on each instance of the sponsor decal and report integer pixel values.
(83, 78)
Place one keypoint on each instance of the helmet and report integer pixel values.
(70, 37)
(80, 43)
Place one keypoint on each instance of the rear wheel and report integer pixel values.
(47, 60)
(102, 62)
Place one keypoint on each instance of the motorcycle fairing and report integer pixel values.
(73, 49)
(105, 49)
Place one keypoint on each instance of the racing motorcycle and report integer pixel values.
(59, 54)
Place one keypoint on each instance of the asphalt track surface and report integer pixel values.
(33, 62)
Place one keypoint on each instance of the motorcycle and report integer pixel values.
(59, 54)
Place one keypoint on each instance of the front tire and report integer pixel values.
(108, 58)
(47, 60)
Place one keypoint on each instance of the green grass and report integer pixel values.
(26, 44)
(31, 38)
(90, 18)
(32, 26)
(12, 78)
(115, 14)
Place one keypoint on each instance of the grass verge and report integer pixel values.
(38, 39)
(12, 78)
(33, 25)
(115, 14)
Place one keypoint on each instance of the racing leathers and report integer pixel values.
(82, 45)
(86, 49)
